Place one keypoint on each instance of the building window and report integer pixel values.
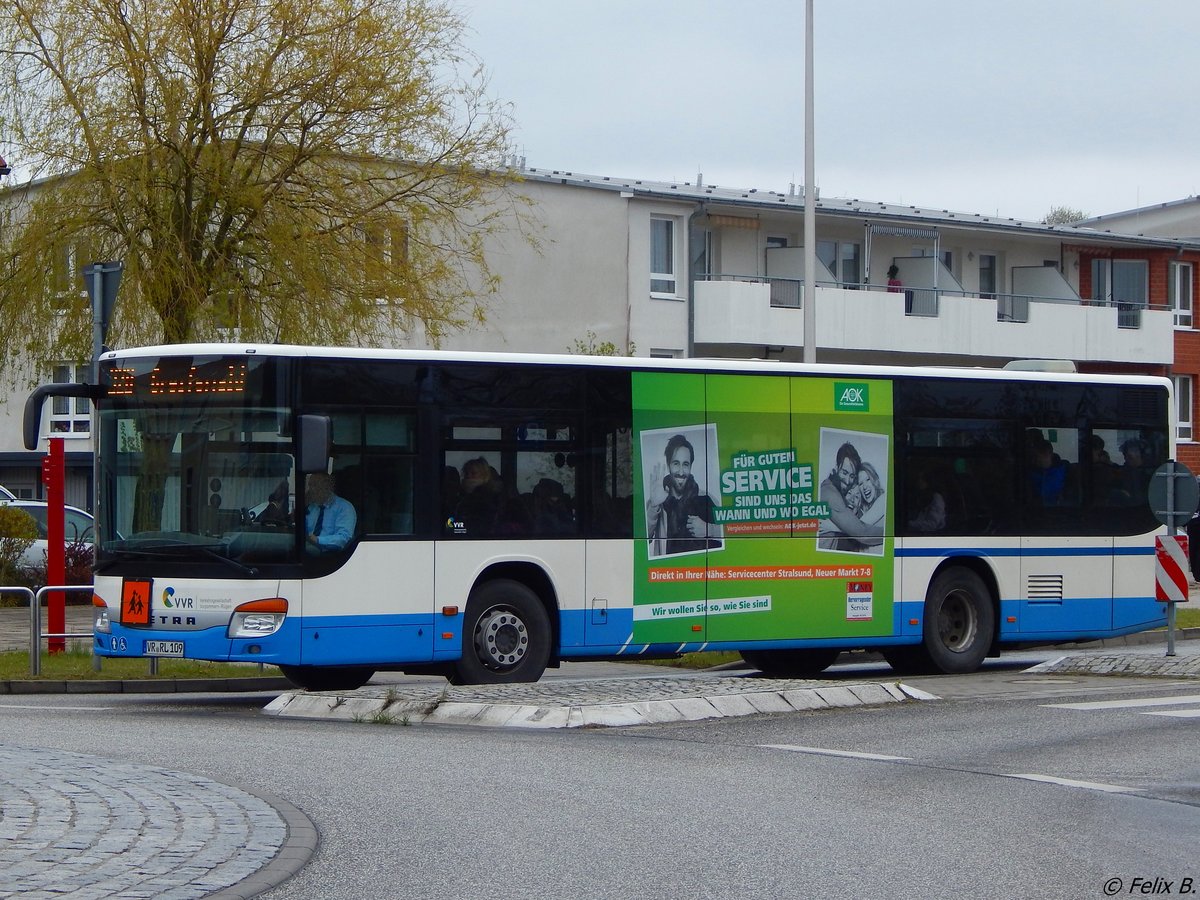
(989, 282)
(1120, 281)
(844, 260)
(1123, 283)
(70, 415)
(1183, 406)
(1179, 293)
(664, 353)
(662, 256)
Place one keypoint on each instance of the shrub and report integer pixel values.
(18, 531)
(78, 557)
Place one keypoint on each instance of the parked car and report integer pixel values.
(6, 494)
(78, 527)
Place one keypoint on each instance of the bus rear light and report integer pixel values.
(449, 610)
(100, 621)
(258, 618)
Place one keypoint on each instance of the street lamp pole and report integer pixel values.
(810, 204)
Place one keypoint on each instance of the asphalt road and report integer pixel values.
(1000, 790)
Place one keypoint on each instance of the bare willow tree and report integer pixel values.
(316, 171)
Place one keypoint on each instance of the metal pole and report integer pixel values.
(97, 321)
(1171, 533)
(810, 202)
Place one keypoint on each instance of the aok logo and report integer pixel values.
(851, 396)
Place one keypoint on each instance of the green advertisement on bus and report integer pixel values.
(762, 508)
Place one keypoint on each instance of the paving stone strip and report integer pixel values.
(77, 826)
(557, 703)
(1144, 666)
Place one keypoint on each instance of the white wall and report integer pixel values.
(577, 281)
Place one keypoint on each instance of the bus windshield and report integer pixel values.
(205, 480)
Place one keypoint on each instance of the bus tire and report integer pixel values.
(506, 635)
(327, 678)
(803, 663)
(960, 622)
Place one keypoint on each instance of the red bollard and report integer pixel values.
(54, 478)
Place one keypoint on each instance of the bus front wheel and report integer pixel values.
(959, 622)
(327, 678)
(506, 635)
(792, 663)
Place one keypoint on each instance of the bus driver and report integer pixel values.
(330, 519)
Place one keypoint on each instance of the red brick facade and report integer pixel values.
(1187, 340)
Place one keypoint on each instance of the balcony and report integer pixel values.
(731, 310)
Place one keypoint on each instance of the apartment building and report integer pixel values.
(663, 269)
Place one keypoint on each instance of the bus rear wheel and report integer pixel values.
(792, 663)
(506, 635)
(959, 622)
(327, 678)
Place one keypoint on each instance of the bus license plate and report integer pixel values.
(163, 648)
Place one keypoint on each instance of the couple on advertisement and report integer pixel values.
(854, 492)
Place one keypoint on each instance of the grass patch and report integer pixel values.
(703, 660)
(76, 665)
(1187, 618)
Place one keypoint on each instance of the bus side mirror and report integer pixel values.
(314, 444)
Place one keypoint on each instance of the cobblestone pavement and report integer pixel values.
(82, 827)
(14, 626)
(1180, 666)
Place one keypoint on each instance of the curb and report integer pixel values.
(148, 686)
(606, 704)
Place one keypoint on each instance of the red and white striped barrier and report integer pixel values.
(1170, 568)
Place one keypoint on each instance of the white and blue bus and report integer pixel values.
(492, 515)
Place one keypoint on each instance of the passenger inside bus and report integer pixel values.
(482, 497)
(276, 512)
(930, 513)
(1047, 474)
(1133, 477)
(551, 509)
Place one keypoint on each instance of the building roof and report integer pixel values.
(793, 201)
(1162, 217)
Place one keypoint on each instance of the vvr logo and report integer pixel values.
(172, 602)
(851, 396)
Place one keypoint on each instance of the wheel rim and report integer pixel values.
(501, 638)
(957, 622)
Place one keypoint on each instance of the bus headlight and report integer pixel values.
(258, 618)
(100, 621)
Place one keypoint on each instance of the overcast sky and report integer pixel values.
(1004, 107)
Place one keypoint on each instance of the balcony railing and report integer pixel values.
(923, 301)
(748, 309)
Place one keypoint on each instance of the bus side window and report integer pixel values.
(610, 477)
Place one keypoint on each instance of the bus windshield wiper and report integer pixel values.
(181, 550)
